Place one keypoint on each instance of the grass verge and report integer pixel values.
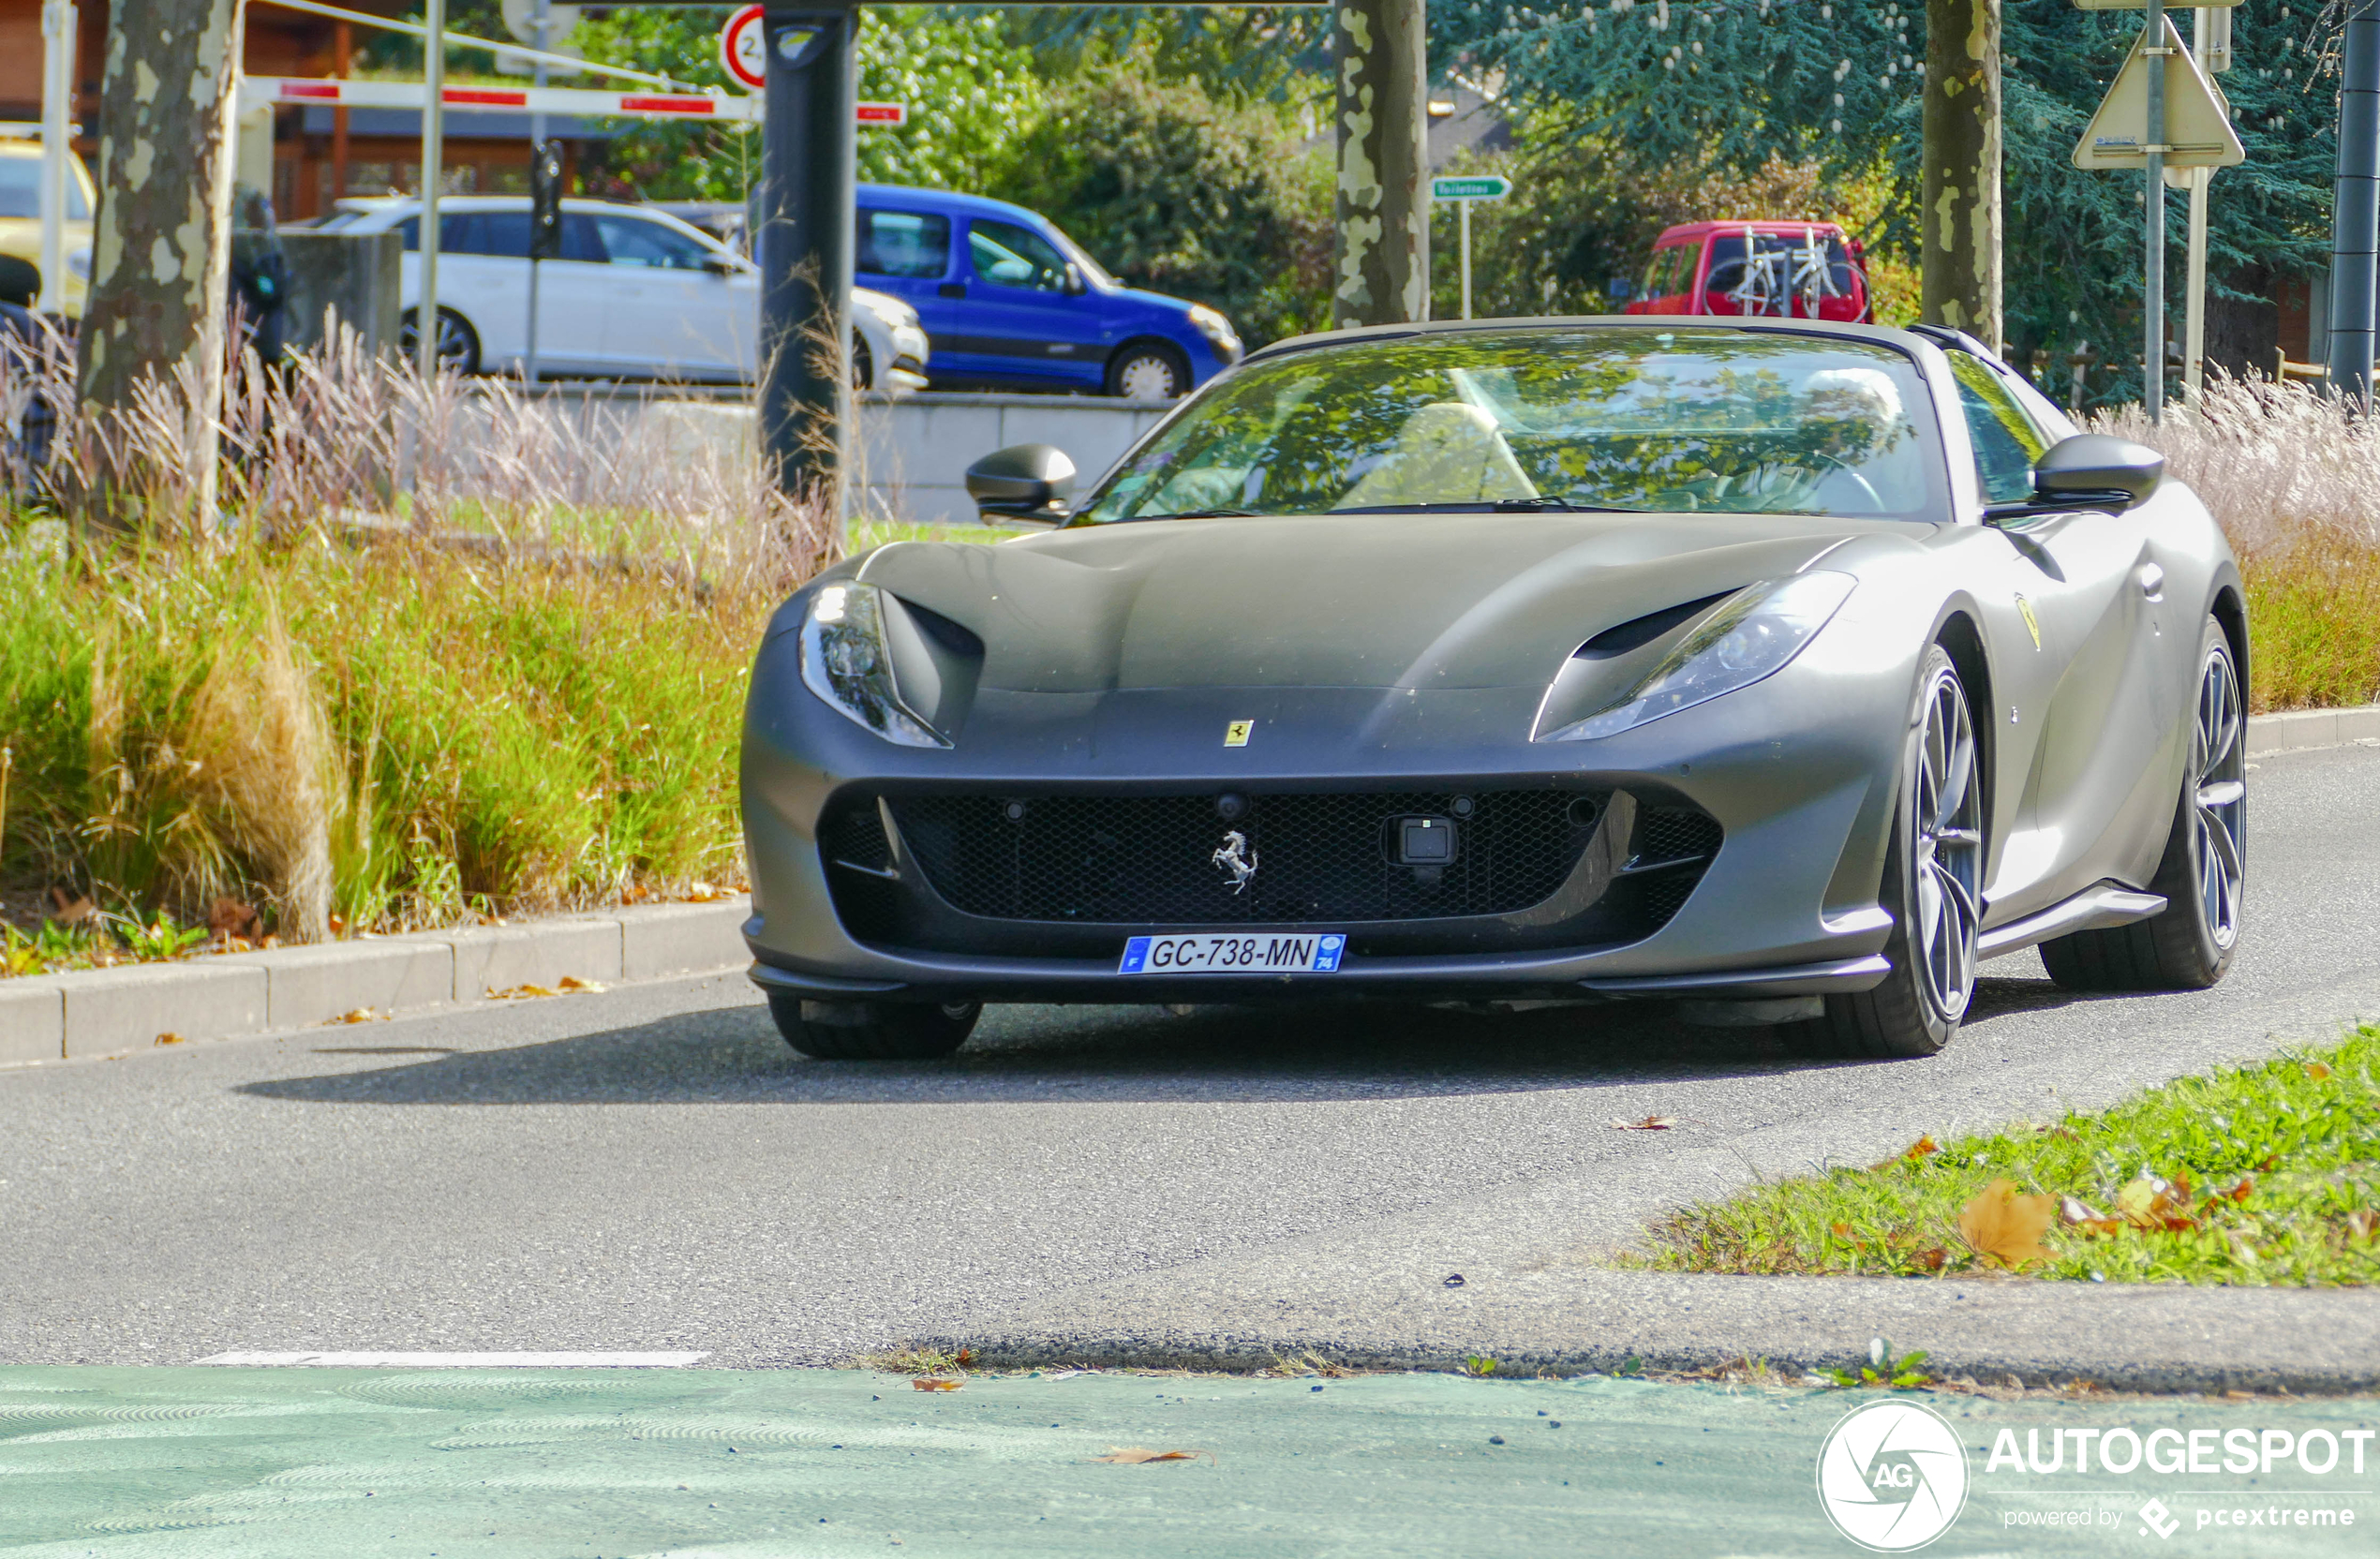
(2260, 1175)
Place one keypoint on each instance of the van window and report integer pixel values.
(634, 240)
(1672, 271)
(504, 233)
(911, 244)
(1006, 254)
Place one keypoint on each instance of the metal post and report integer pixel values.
(60, 29)
(2194, 355)
(433, 172)
(804, 244)
(2152, 308)
(2355, 207)
(1462, 221)
(540, 22)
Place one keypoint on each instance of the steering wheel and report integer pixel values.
(1867, 489)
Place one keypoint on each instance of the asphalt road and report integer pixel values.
(651, 1169)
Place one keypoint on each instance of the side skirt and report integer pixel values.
(2101, 905)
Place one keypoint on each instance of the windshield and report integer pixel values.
(1694, 421)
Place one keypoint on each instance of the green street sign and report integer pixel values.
(1491, 188)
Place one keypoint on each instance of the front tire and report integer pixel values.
(1148, 371)
(1933, 873)
(872, 1031)
(2204, 873)
(458, 344)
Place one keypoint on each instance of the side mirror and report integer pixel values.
(2090, 471)
(1025, 482)
(1075, 286)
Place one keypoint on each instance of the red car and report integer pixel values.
(1784, 270)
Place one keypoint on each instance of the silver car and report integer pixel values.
(1797, 665)
(636, 294)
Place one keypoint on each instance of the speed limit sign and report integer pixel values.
(743, 47)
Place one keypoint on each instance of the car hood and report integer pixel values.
(1425, 601)
(1156, 302)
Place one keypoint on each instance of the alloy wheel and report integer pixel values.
(1946, 861)
(2219, 799)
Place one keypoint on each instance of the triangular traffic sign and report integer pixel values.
(2198, 132)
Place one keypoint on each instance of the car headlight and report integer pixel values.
(78, 261)
(1214, 327)
(1753, 636)
(845, 661)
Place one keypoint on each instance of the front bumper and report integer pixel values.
(1797, 773)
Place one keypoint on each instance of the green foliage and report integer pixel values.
(1176, 191)
(971, 92)
(2261, 1175)
(1834, 82)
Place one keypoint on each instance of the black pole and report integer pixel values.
(2354, 209)
(805, 250)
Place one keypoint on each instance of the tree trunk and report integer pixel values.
(1960, 224)
(161, 248)
(1382, 212)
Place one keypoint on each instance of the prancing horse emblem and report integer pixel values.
(1238, 859)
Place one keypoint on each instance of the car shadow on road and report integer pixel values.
(1110, 1054)
(1354, 1050)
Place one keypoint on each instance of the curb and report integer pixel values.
(2301, 729)
(111, 1012)
(2136, 1337)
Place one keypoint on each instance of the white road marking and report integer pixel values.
(465, 1361)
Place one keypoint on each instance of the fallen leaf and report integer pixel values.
(2364, 1224)
(1842, 1231)
(966, 1359)
(234, 922)
(363, 1014)
(2316, 1070)
(701, 893)
(338, 924)
(2006, 1227)
(1932, 1259)
(2149, 1203)
(70, 908)
(2239, 1192)
(575, 986)
(1650, 1124)
(1133, 1456)
(928, 1383)
(522, 993)
(169, 1037)
(1920, 1147)
(2077, 1215)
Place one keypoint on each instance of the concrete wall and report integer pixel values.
(360, 274)
(913, 451)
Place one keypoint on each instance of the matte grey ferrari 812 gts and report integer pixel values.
(1795, 665)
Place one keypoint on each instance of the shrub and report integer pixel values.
(1176, 192)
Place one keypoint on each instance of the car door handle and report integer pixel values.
(2153, 581)
(952, 289)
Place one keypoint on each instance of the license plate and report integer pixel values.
(1262, 953)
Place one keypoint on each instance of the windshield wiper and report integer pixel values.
(1203, 515)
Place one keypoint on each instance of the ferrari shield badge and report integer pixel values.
(1234, 856)
(2033, 624)
(1236, 733)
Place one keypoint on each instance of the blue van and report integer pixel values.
(1010, 303)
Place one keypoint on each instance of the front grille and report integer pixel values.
(1150, 859)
